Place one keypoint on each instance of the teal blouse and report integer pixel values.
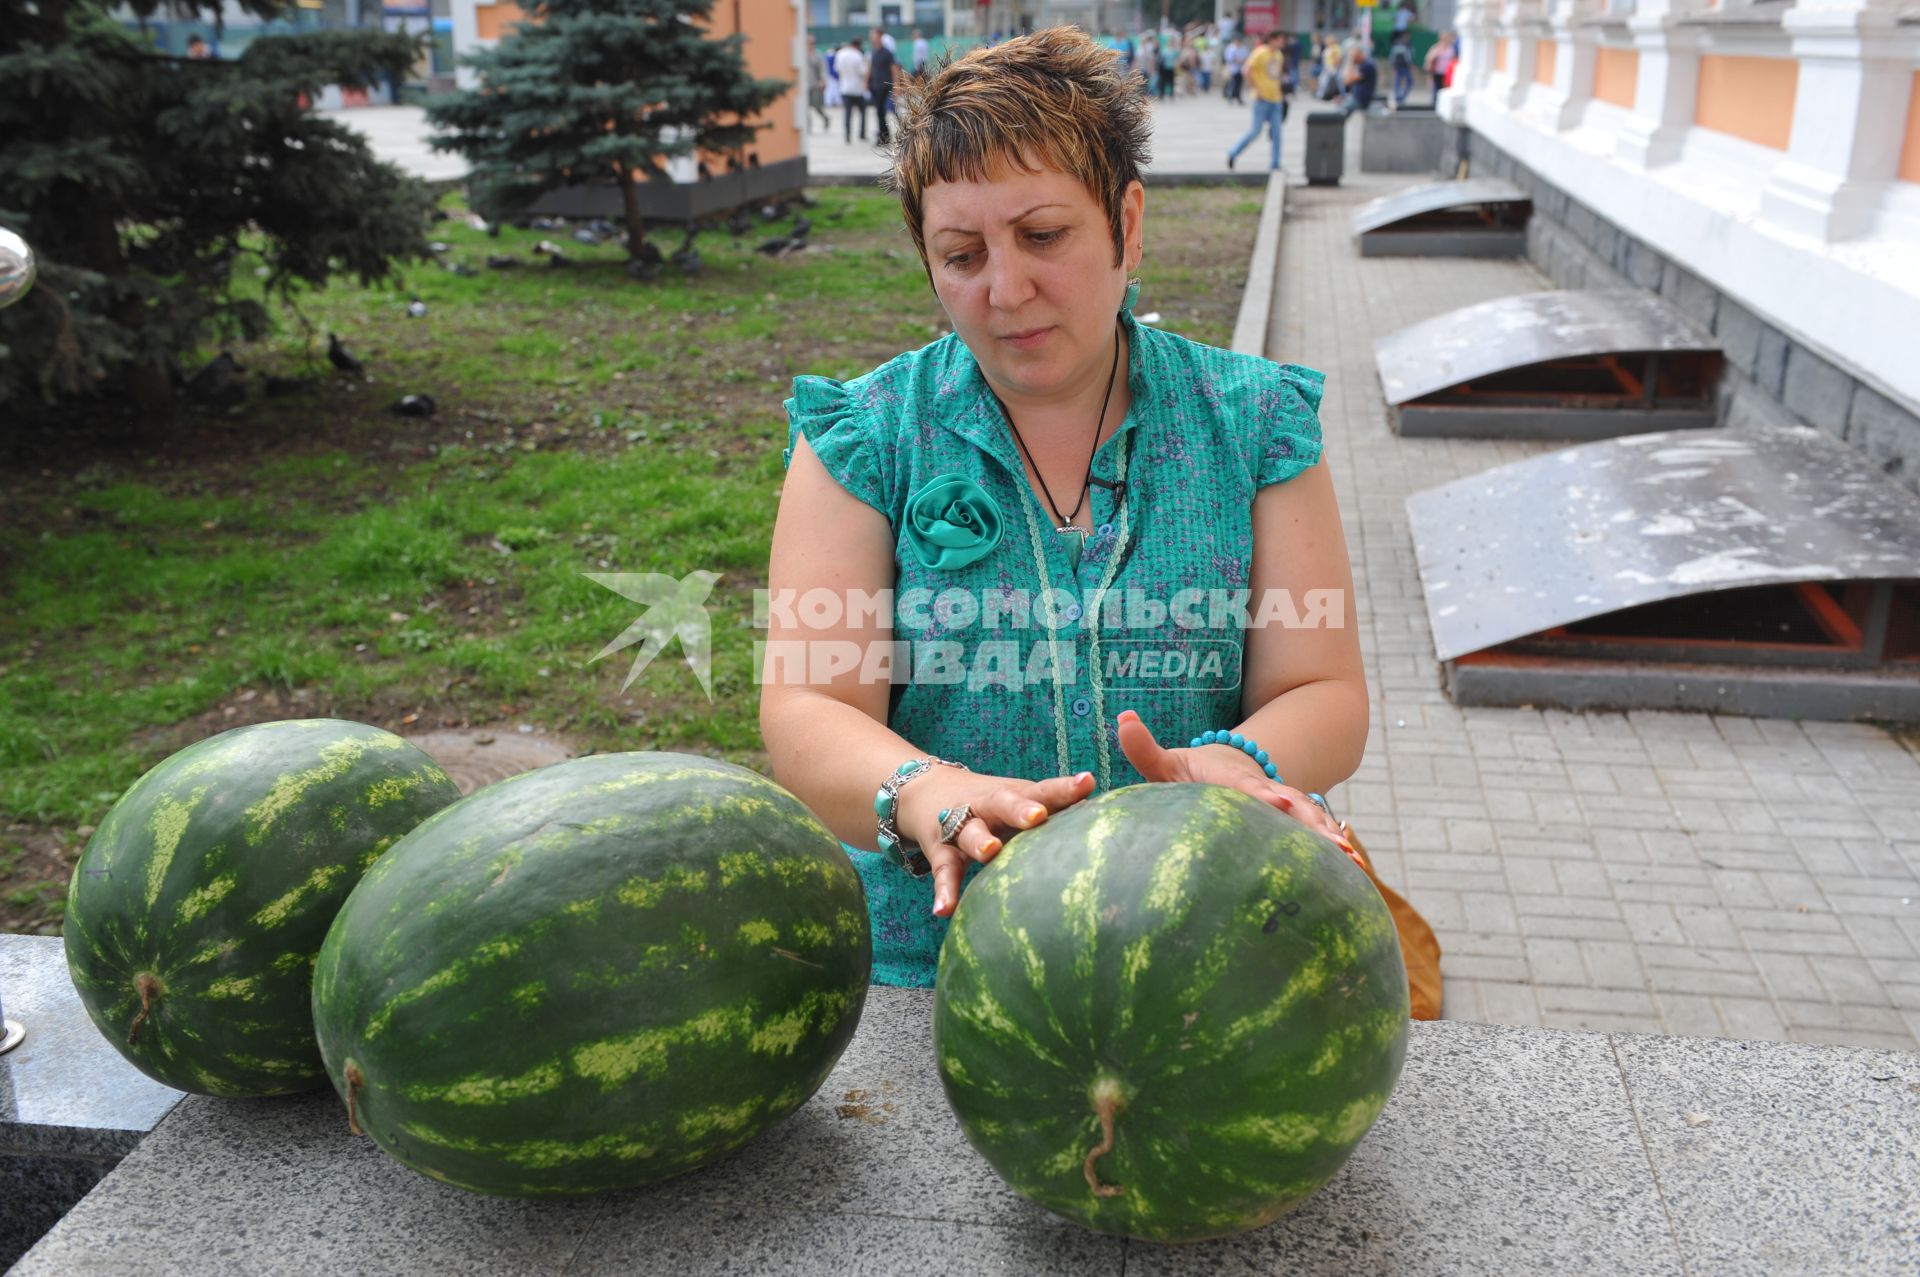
(1017, 647)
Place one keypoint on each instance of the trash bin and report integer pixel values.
(1326, 148)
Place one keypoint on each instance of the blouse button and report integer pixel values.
(1105, 530)
(1071, 612)
(1082, 707)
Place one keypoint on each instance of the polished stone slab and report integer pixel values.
(70, 1106)
(64, 1089)
(1511, 1150)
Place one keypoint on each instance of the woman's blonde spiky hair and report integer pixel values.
(1054, 98)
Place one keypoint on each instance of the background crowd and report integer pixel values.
(862, 74)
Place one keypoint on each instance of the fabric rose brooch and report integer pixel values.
(951, 522)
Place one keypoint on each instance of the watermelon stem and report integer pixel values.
(148, 986)
(355, 1080)
(1107, 1101)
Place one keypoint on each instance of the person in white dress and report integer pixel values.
(851, 66)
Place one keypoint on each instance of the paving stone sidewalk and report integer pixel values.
(1686, 873)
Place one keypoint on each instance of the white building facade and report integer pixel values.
(1758, 161)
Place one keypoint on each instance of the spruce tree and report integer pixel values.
(139, 178)
(599, 92)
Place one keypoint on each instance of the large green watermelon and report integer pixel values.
(595, 975)
(1170, 1012)
(198, 906)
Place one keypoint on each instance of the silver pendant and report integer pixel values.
(1074, 527)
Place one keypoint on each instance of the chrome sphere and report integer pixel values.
(16, 268)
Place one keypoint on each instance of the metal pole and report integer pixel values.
(17, 270)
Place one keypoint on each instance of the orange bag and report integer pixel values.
(1419, 947)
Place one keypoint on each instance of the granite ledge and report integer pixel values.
(1511, 1149)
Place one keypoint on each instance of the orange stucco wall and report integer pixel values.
(1499, 55)
(770, 29)
(494, 20)
(1749, 98)
(1616, 76)
(1910, 153)
(1545, 54)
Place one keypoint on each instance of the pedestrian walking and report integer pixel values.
(1265, 68)
(851, 65)
(1400, 58)
(1440, 60)
(1235, 61)
(818, 81)
(880, 77)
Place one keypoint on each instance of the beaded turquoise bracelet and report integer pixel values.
(1240, 743)
(886, 803)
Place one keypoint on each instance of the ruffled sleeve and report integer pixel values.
(844, 433)
(1286, 423)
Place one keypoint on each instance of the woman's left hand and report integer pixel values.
(1222, 765)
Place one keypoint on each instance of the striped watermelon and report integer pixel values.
(1170, 1012)
(595, 975)
(197, 907)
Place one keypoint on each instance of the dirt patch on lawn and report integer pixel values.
(35, 864)
(477, 757)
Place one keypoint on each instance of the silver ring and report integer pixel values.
(952, 818)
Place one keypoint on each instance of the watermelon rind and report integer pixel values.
(196, 910)
(592, 976)
(1170, 1012)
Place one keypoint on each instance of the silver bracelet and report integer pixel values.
(886, 803)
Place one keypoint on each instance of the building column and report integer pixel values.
(1579, 45)
(1526, 23)
(1849, 117)
(1669, 83)
(1478, 27)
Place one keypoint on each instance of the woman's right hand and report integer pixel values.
(1002, 807)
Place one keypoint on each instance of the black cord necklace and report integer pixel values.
(1065, 524)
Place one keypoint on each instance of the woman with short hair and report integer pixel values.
(1057, 496)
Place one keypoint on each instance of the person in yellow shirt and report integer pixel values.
(1266, 71)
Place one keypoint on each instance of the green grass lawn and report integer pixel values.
(313, 555)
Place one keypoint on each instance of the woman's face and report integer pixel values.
(1023, 264)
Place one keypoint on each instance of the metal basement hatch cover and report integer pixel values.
(1481, 217)
(1766, 571)
(1551, 365)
